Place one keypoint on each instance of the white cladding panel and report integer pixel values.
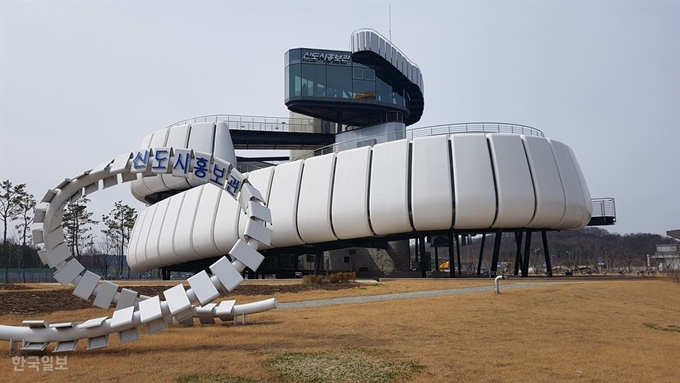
(226, 223)
(584, 185)
(151, 253)
(134, 238)
(184, 247)
(155, 184)
(388, 198)
(575, 200)
(204, 225)
(178, 137)
(283, 201)
(144, 233)
(350, 194)
(224, 146)
(515, 189)
(166, 241)
(314, 203)
(473, 182)
(201, 140)
(261, 179)
(431, 199)
(550, 202)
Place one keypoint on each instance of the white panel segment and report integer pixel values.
(145, 229)
(151, 253)
(431, 191)
(155, 184)
(473, 183)
(283, 201)
(261, 179)
(226, 223)
(350, 194)
(134, 239)
(201, 139)
(165, 252)
(576, 205)
(515, 189)
(314, 204)
(388, 193)
(550, 201)
(203, 236)
(224, 146)
(138, 186)
(184, 247)
(177, 138)
(584, 184)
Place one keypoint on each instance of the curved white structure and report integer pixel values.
(462, 181)
(132, 309)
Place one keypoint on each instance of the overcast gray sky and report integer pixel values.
(81, 82)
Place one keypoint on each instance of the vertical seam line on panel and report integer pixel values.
(174, 230)
(559, 172)
(409, 185)
(453, 189)
(214, 218)
(158, 240)
(368, 190)
(493, 174)
(213, 139)
(330, 207)
(297, 199)
(193, 221)
(146, 242)
(533, 181)
(162, 219)
(141, 230)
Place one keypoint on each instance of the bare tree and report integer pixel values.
(76, 222)
(120, 223)
(11, 198)
(26, 205)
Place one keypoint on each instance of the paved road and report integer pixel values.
(389, 297)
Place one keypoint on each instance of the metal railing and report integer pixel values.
(257, 123)
(603, 207)
(471, 127)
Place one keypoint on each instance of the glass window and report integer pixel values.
(339, 81)
(294, 81)
(383, 91)
(286, 84)
(358, 74)
(313, 80)
(364, 90)
(294, 56)
(369, 74)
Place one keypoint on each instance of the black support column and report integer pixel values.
(527, 251)
(496, 251)
(317, 261)
(481, 253)
(548, 265)
(518, 253)
(423, 259)
(460, 269)
(452, 274)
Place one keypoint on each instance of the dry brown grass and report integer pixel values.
(601, 331)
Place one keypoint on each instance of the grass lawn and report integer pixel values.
(599, 331)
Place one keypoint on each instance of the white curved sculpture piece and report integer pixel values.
(460, 181)
(133, 310)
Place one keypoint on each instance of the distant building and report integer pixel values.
(667, 256)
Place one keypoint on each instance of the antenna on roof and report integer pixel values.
(389, 12)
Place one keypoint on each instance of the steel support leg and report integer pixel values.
(527, 252)
(481, 253)
(317, 261)
(496, 252)
(436, 259)
(452, 274)
(518, 254)
(460, 269)
(548, 265)
(423, 259)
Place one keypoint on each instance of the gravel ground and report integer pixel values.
(389, 297)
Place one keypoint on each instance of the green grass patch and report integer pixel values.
(360, 366)
(213, 378)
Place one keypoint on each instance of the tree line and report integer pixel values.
(103, 253)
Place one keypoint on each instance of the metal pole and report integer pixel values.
(423, 265)
(436, 259)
